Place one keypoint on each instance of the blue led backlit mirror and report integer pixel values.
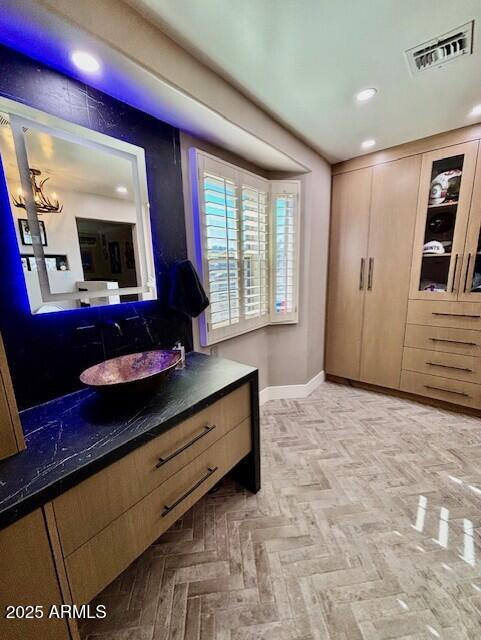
(80, 209)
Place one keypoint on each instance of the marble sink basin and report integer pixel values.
(131, 372)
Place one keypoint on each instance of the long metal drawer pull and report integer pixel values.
(456, 315)
(456, 393)
(361, 275)
(168, 507)
(207, 429)
(469, 344)
(454, 274)
(467, 273)
(449, 366)
(370, 274)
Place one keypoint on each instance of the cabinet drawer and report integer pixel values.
(93, 504)
(447, 365)
(455, 391)
(459, 315)
(463, 341)
(100, 560)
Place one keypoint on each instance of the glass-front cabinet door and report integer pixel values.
(470, 281)
(443, 208)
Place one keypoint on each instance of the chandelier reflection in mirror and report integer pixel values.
(43, 204)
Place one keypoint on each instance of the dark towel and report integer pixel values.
(186, 293)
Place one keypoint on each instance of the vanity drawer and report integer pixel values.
(455, 391)
(447, 365)
(100, 560)
(90, 506)
(463, 341)
(459, 315)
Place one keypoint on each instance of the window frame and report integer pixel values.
(201, 163)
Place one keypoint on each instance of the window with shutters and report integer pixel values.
(247, 244)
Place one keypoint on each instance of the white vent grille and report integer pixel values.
(442, 49)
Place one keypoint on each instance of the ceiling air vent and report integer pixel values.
(442, 49)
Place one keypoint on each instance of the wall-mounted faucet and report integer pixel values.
(105, 324)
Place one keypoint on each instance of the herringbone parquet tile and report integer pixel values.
(367, 528)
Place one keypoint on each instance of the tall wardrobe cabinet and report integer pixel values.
(373, 219)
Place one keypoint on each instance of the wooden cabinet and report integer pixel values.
(414, 320)
(470, 278)
(441, 388)
(391, 228)
(446, 339)
(11, 434)
(102, 558)
(351, 198)
(373, 217)
(91, 505)
(439, 257)
(105, 522)
(28, 577)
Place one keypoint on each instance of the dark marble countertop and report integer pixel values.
(73, 437)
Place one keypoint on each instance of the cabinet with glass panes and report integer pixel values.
(445, 192)
(470, 280)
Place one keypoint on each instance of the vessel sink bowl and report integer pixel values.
(134, 371)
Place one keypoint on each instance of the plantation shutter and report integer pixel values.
(246, 238)
(254, 247)
(285, 208)
(219, 230)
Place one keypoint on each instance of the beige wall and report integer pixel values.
(284, 354)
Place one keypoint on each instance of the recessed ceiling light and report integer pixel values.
(366, 94)
(85, 61)
(122, 190)
(476, 110)
(367, 144)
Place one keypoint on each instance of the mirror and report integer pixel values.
(79, 204)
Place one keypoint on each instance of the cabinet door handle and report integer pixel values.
(454, 274)
(448, 366)
(467, 273)
(468, 344)
(456, 393)
(168, 507)
(207, 429)
(361, 275)
(370, 274)
(456, 315)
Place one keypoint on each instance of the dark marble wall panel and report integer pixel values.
(46, 353)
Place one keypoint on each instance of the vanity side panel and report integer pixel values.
(28, 577)
(11, 434)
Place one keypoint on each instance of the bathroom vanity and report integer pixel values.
(100, 481)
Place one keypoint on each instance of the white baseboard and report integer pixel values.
(290, 391)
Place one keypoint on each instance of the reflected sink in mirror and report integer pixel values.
(131, 372)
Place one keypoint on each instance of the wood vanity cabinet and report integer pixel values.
(104, 523)
(11, 434)
(28, 577)
(373, 217)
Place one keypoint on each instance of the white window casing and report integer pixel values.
(247, 247)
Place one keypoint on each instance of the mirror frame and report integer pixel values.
(24, 116)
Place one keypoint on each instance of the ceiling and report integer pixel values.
(304, 60)
(37, 31)
(69, 166)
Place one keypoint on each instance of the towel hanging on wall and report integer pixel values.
(186, 293)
